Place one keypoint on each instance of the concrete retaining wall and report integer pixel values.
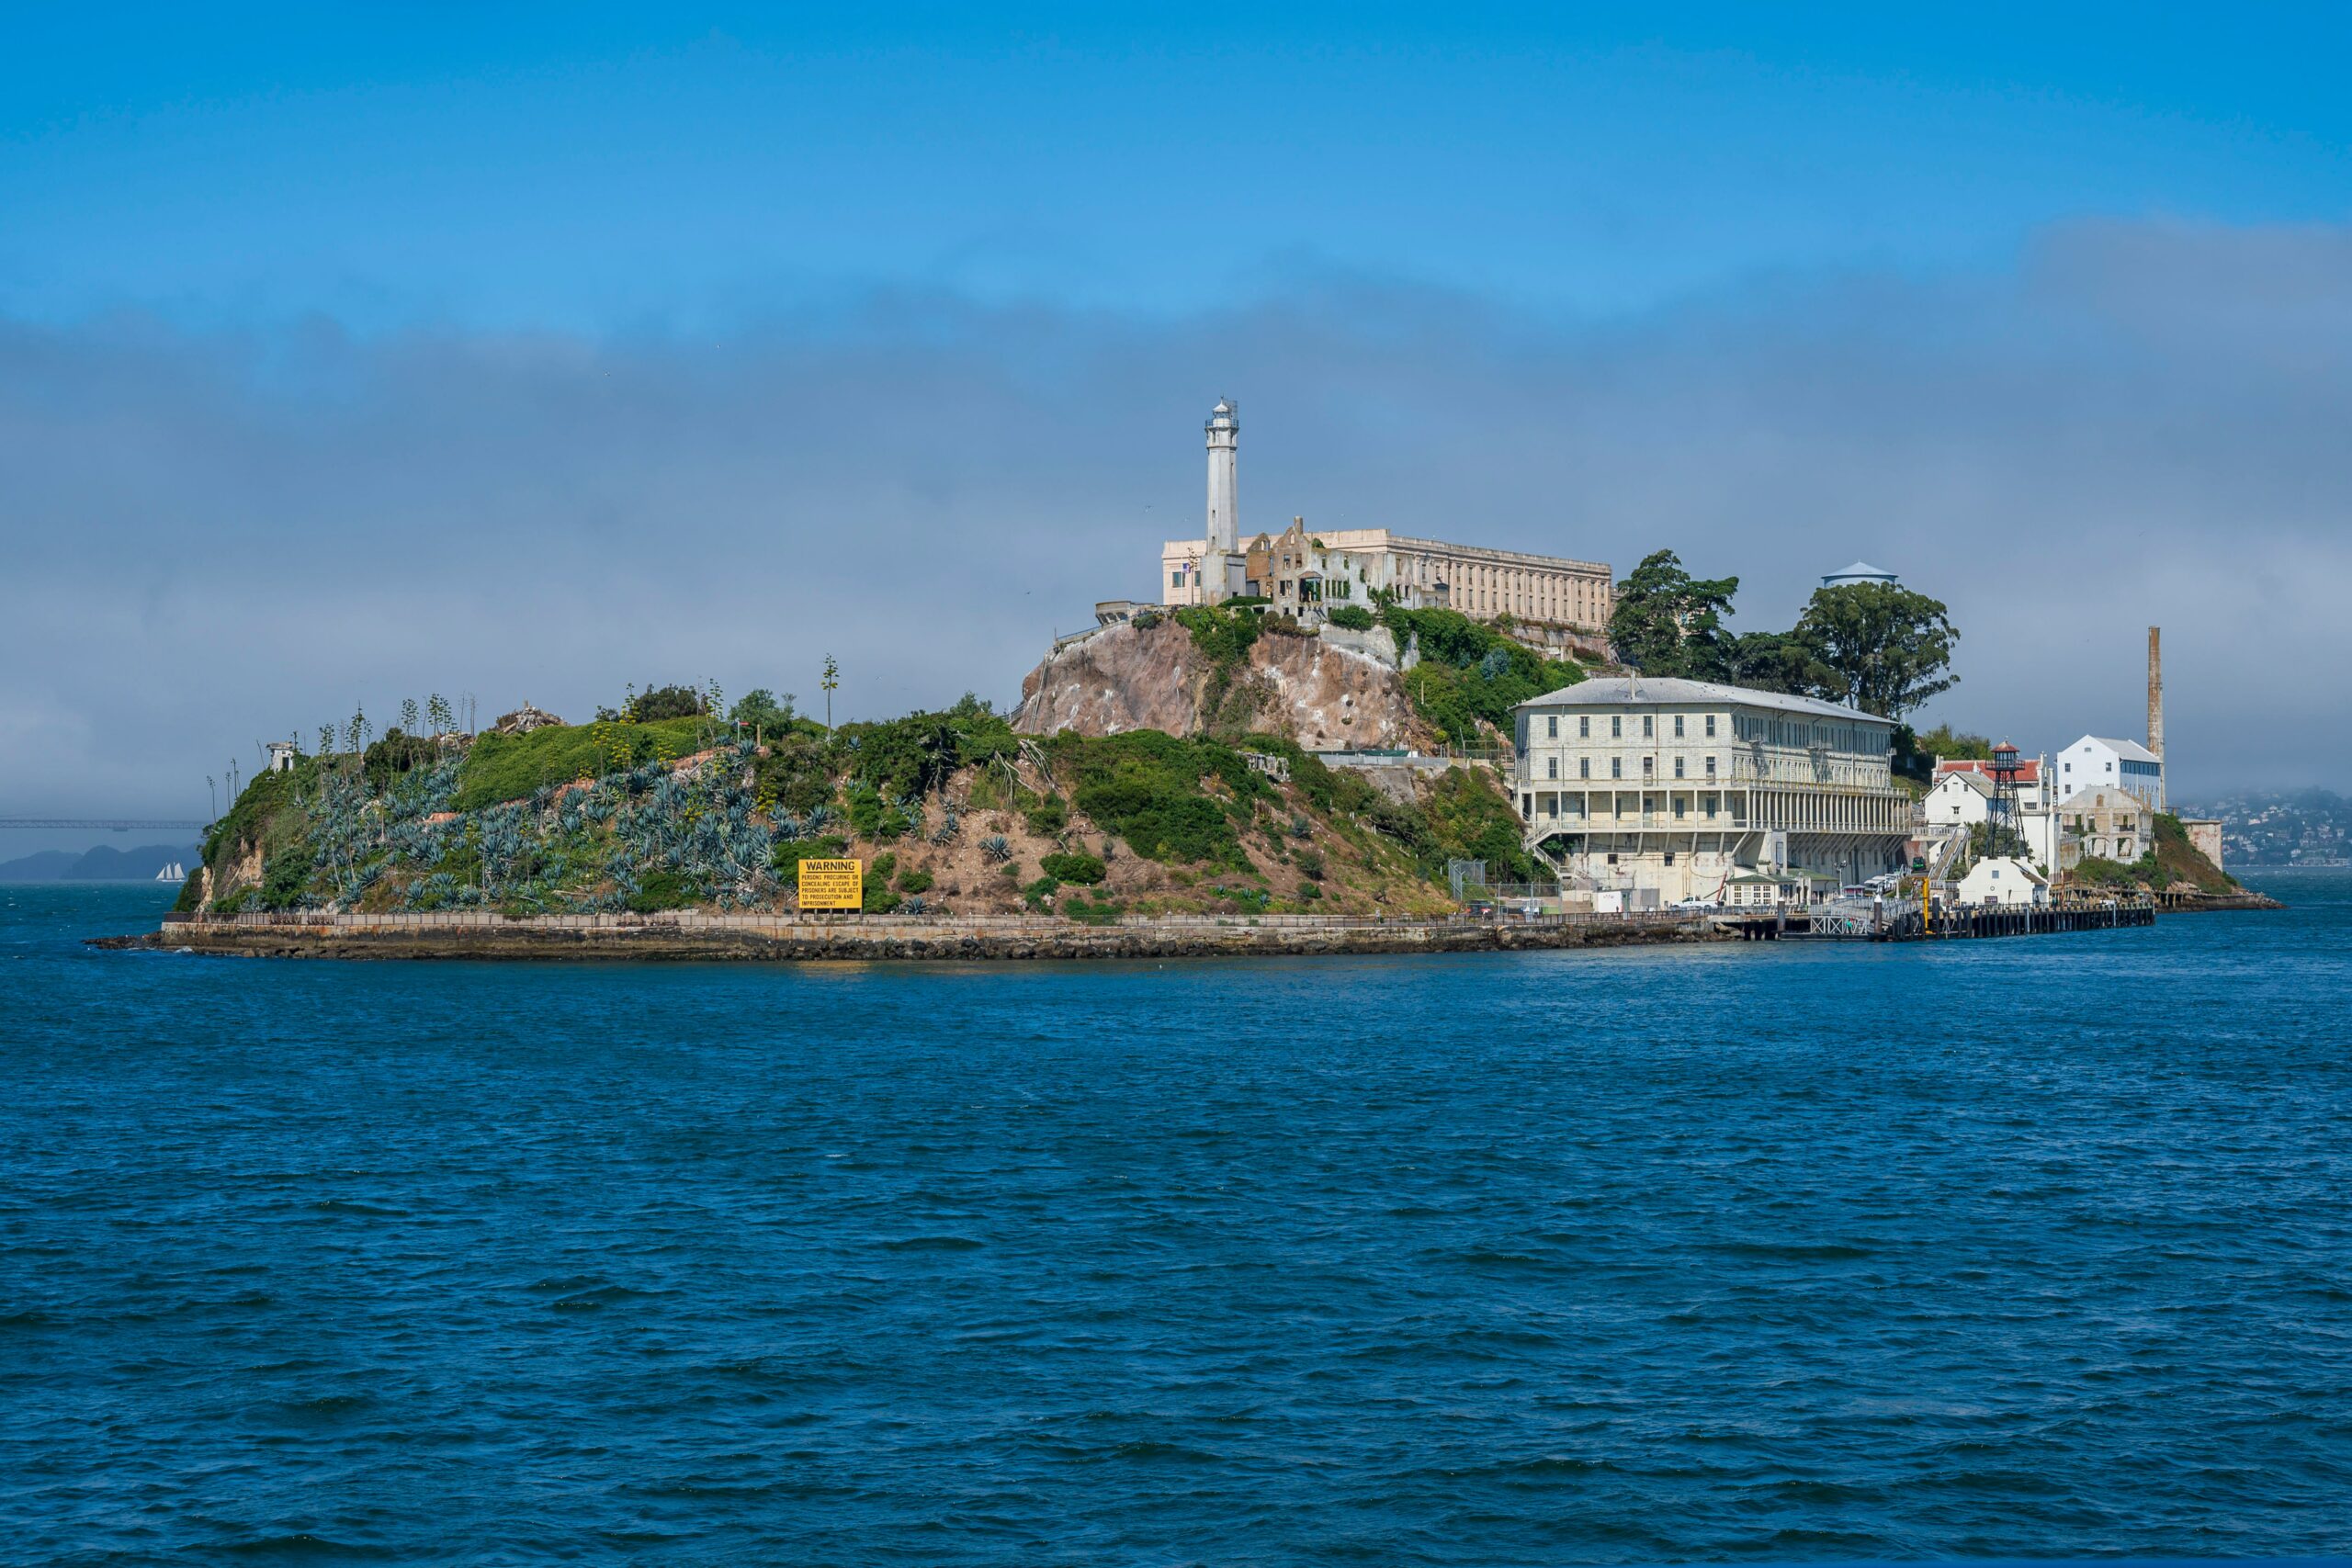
(773, 937)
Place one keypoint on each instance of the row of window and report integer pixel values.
(1617, 727)
(1617, 767)
(1548, 805)
(1815, 732)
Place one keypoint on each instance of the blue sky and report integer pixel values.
(590, 168)
(528, 350)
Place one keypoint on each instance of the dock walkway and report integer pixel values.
(1891, 922)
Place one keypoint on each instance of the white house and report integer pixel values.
(2000, 880)
(2030, 778)
(2096, 761)
(1962, 798)
(1957, 800)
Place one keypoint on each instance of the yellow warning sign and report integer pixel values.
(832, 884)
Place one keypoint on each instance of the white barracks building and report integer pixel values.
(1683, 786)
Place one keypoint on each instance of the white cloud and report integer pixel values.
(216, 538)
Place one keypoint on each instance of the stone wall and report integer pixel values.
(695, 936)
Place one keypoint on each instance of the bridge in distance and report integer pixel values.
(107, 824)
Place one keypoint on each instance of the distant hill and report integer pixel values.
(2311, 827)
(50, 865)
(104, 863)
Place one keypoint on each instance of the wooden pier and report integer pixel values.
(1906, 922)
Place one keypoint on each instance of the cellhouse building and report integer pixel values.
(1688, 787)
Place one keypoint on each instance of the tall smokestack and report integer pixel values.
(2157, 692)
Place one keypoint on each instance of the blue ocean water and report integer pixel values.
(2030, 1248)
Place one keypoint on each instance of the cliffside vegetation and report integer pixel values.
(950, 810)
(2169, 863)
(1470, 676)
(1468, 679)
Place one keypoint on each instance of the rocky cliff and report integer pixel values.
(1323, 695)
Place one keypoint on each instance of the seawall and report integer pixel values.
(773, 938)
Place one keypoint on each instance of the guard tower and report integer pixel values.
(2001, 833)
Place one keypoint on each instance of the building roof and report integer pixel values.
(2005, 862)
(1611, 691)
(1980, 783)
(2129, 750)
(2102, 797)
(2028, 768)
(1861, 570)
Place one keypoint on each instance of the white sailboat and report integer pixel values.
(174, 872)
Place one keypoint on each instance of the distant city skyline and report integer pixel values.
(528, 353)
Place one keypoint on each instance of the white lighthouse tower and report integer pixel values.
(1222, 560)
(1224, 430)
(1211, 568)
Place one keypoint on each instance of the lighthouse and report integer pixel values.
(1224, 430)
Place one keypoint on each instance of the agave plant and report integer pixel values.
(996, 848)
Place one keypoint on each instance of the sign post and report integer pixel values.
(832, 884)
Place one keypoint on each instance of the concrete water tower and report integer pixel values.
(1859, 571)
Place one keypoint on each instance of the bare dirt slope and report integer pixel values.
(1126, 678)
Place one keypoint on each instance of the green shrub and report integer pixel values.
(1221, 633)
(759, 709)
(1310, 864)
(797, 774)
(1470, 675)
(1102, 914)
(657, 703)
(1470, 819)
(914, 880)
(662, 890)
(396, 754)
(1354, 617)
(787, 857)
(879, 899)
(1049, 816)
(513, 767)
(873, 817)
(284, 875)
(1080, 868)
(1144, 787)
(262, 799)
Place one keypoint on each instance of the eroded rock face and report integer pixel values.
(1322, 696)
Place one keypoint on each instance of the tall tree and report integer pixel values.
(1669, 622)
(1780, 662)
(1889, 648)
